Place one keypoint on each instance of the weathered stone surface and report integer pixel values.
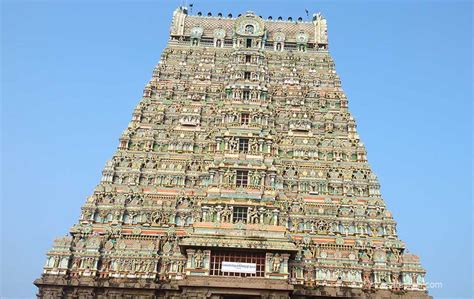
(241, 150)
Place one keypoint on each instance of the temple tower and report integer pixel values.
(240, 175)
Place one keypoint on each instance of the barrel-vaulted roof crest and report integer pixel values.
(249, 24)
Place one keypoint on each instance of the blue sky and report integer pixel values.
(72, 72)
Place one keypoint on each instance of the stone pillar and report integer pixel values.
(218, 213)
(205, 211)
(275, 216)
(269, 147)
(262, 215)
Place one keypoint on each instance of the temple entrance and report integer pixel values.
(237, 263)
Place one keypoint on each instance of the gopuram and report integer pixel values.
(240, 175)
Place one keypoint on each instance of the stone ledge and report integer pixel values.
(236, 282)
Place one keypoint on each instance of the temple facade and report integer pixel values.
(240, 175)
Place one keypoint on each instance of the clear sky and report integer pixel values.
(72, 72)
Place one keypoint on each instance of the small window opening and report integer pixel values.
(242, 178)
(243, 145)
(249, 43)
(246, 95)
(245, 119)
(239, 215)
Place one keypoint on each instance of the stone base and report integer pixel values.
(301, 292)
(199, 288)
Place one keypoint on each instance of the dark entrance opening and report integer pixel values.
(249, 43)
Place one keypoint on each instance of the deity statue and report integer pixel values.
(233, 144)
(395, 281)
(210, 214)
(254, 146)
(226, 214)
(56, 262)
(180, 266)
(228, 177)
(396, 255)
(256, 178)
(268, 217)
(76, 263)
(157, 217)
(105, 265)
(276, 263)
(253, 216)
(367, 283)
(198, 259)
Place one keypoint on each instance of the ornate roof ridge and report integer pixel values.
(230, 16)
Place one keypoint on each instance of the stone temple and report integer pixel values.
(240, 175)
